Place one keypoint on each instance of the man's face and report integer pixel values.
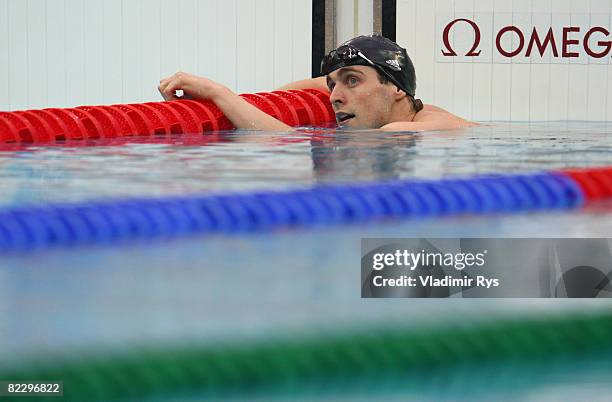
(359, 99)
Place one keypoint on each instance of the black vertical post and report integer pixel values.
(389, 16)
(318, 36)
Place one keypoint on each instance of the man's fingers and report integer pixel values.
(163, 83)
(169, 91)
(160, 88)
(162, 91)
(169, 86)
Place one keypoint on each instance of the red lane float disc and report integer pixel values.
(319, 110)
(286, 114)
(58, 129)
(301, 107)
(262, 104)
(75, 130)
(8, 132)
(140, 121)
(158, 123)
(93, 128)
(22, 128)
(109, 127)
(41, 130)
(191, 126)
(126, 126)
(208, 121)
(223, 123)
(330, 116)
(173, 119)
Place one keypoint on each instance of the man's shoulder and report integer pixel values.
(431, 113)
(430, 118)
(434, 112)
(432, 108)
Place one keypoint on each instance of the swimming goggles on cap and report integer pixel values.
(347, 55)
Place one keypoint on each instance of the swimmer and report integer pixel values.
(372, 85)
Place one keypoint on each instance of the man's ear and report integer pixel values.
(399, 94)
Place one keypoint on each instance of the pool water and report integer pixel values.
(244, 288)
(247, 160)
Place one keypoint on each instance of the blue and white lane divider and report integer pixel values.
(106, 222)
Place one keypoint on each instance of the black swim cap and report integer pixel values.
(376, 51)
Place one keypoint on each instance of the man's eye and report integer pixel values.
(331, 86)
(352, 81)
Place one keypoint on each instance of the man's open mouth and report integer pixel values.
(341, 117)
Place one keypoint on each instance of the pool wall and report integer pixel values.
(565, 83)
(85, 52)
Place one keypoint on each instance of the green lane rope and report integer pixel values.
(330, 360)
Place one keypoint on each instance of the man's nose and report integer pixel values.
(337, 97)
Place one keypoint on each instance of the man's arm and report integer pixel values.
(241, 113)
(315, 83)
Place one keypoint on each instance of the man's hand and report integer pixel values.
(193, 87)
(241, 113)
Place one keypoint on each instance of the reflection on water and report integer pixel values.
(366, 155)
(245, 160)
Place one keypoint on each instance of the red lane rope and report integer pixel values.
(295, 108)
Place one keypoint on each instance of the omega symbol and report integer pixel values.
(449, 50)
